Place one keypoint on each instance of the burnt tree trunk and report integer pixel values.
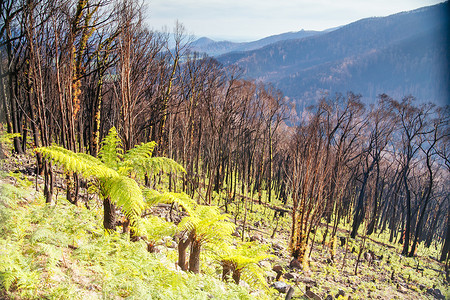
(359, 209)
(446, 248)
(408, 216)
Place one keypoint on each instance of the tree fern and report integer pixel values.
(140, 152)
(208, 225)
(242, 261)
(123, 191)
(205, 227)
(157, 164)
(111, 173)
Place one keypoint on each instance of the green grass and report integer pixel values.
(62, 252)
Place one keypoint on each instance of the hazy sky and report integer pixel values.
(245, 20)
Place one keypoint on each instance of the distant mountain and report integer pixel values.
(402, 54)
(213, 48)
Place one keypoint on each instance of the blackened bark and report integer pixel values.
(408, 216)
(446, 248)
(109, 215)
(431, 230)
(359, 210)
(73, 188)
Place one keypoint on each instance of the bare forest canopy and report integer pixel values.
(71, 70)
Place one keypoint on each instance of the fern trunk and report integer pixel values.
(73, 187)
(109, 215)
(194, 257)
(227, 270)
(49, 183)
(237, 276)
(182, 247)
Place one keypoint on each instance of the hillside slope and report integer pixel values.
(402, 54)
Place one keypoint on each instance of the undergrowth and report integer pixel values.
(61, 252)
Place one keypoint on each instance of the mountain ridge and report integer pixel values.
(216, 48)
(300, 67)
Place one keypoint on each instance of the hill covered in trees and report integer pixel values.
(164, 145)
(400, 55)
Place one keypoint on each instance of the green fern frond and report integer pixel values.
(79, 163)
(153, 197)
(154, 165)
(140, 152)
(111, 149)
(7, 278)
(156, 228)
(125, 193)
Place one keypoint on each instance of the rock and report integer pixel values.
(307, 281)
(271, 276)
(278, 268)
(438, 294)
(311, 295)
(265, 264)
(281, 286)
(292, 276)
(340, 293)
(368, 257)
(329, 297)
(401, 289)
(295, 264)
(236, 234)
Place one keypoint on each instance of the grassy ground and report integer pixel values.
(62, 252)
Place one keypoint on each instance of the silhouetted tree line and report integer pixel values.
(72, 69)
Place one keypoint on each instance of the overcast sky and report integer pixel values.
(246, 20)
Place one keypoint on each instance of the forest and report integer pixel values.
(118, 118)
